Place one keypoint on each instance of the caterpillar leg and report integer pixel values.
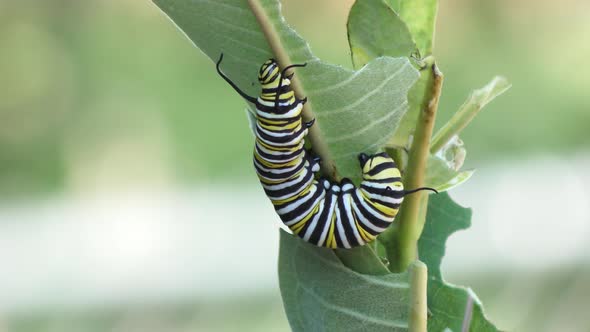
(309, 123)
(314, 162)
(363, 157)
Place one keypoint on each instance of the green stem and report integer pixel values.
(282, 57)
(401, 241)
(418, 292)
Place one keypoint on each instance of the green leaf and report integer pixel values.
(416, 101)
(443, 178)
(321, 294)
(362, 260)
(452, 307)
(355, 111)
(442, 172)
(420, 16)
(375, 30)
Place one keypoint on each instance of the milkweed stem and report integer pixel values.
(418, 294)
(401, 241)
(282, 57)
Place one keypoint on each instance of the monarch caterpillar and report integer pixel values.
(320, 212)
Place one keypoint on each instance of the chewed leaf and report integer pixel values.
(322, 294)
(442, 171)
(442, 177)
(453, 308)
(355, 111)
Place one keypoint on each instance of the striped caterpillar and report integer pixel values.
(323, 213)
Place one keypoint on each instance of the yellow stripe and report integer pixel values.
(276, 165)
(296, 124)
(367, 237)
(384, 209)
(287, 95)
(331, 239)
(300, 224)
(274, 148)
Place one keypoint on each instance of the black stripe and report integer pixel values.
(383, 192)
(386, 180)
(279, 176)
(381, 167)
(372, 219)
(348, 230)
(280, 109)
(323, 220)
(286, 217)
(268, 139)
(295, 188)
(282, 156)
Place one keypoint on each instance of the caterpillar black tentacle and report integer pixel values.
(320, 212)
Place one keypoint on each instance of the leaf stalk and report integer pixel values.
(282, 57)
(401, 241)
(418, 295)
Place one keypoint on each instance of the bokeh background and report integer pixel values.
(128, 201)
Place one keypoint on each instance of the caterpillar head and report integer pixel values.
(269, 75)
(381, 168)
(269, 72)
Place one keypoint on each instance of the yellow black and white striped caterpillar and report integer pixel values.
(320, 212)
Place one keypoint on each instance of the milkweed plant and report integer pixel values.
(388, 103)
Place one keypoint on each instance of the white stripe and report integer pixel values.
(363, 220)
(382, 198)
(274, 170)
(279, 152)
(275, 134)
(294, 112)
(347, 187)
(293, 141)
(340, 229)
(297, 203)
(348, 202)
(314, 223)
(324, 235)
(303, 215)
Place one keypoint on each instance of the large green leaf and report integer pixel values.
(453, 308)
(375, 30)
(324, 295)
(355, 111)
(420, 16)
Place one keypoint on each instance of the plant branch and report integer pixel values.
(418, 292)
(402, 240)
(282, 57)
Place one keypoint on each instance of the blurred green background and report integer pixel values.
(100, 99)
